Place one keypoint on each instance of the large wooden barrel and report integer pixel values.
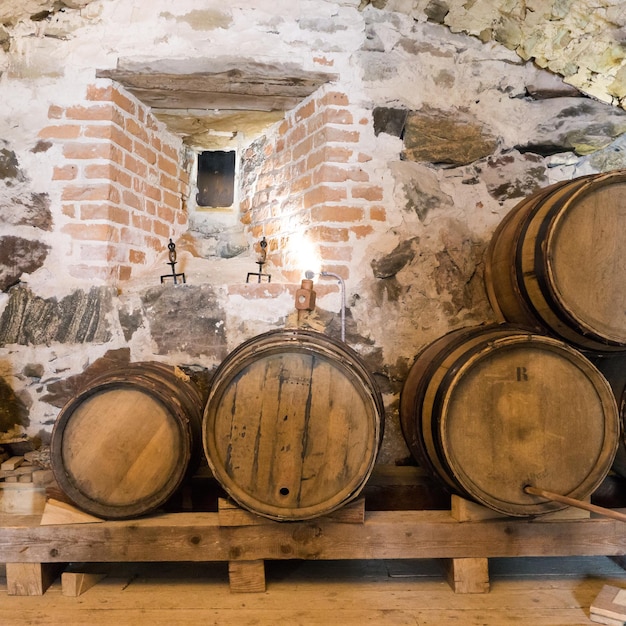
(556, 262)
(293, 424)
(489, 410)
(122, 446)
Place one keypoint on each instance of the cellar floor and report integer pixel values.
(537, 591)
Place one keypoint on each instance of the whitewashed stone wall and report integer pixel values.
(481, 128)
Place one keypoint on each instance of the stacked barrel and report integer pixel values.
(494, 410)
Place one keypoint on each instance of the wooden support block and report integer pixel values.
(230, 514)
(57, 512)
(468, 575)
(609, 607)
(463, 510)
(12, 463)
(246, 576)
(21, 499)
(31, 579)
(75, 583)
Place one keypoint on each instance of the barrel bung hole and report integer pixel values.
(284, 491)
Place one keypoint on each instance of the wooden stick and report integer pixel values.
(535, 491)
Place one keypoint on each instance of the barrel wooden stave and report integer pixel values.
(122, 446)
(492, 409)
(292, 425)
(555, 263)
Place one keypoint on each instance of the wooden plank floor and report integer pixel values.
(537, 591)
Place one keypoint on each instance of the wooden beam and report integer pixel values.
(384, 535)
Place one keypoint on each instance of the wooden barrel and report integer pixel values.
(489, 410)
(293, 424)
(122, 446)
(613, 368)
(556, 262)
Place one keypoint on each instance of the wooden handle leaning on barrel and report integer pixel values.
(535, 491)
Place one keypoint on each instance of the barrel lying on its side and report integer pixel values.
(490, 410)
(293, 424)
(122, 446)
(556, 262)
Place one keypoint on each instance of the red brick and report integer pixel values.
(55, 112)
(362, 231)
(136, 130)
(166, 214)
(341, 135)
(69, 210)
(111, 132)
(323, 61)
(66, 131)
(154, 243)
(65, 172)
(322, 194)
(163, 230)
(124, 272)
(171, 199)
(99, 93)
(169, 183)
(87, 193)
(131, 200)
(167, 165)
(337, 116)
(364, 158)
(300, 184)
(142, 222)
(95, 112)
(333, 174)
(145, 153)
(305, 111)
(111, 213)
(328, 234)
(325, 213)
(133, 237)
(340, 270)
(124, 102)
(334, 98)
(135, 166)
(88, 151)
(138, 257)
(170, 152)
(303, 148)
(368, 192)
(93, 232)
(154, 193)
(378, 213)
(283, 128)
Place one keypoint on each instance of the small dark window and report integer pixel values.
(216, 178)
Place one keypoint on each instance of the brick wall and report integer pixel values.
(122, 183)
(308, 191)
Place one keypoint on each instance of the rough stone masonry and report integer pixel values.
(436, 119)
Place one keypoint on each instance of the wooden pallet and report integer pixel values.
(464, 538)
